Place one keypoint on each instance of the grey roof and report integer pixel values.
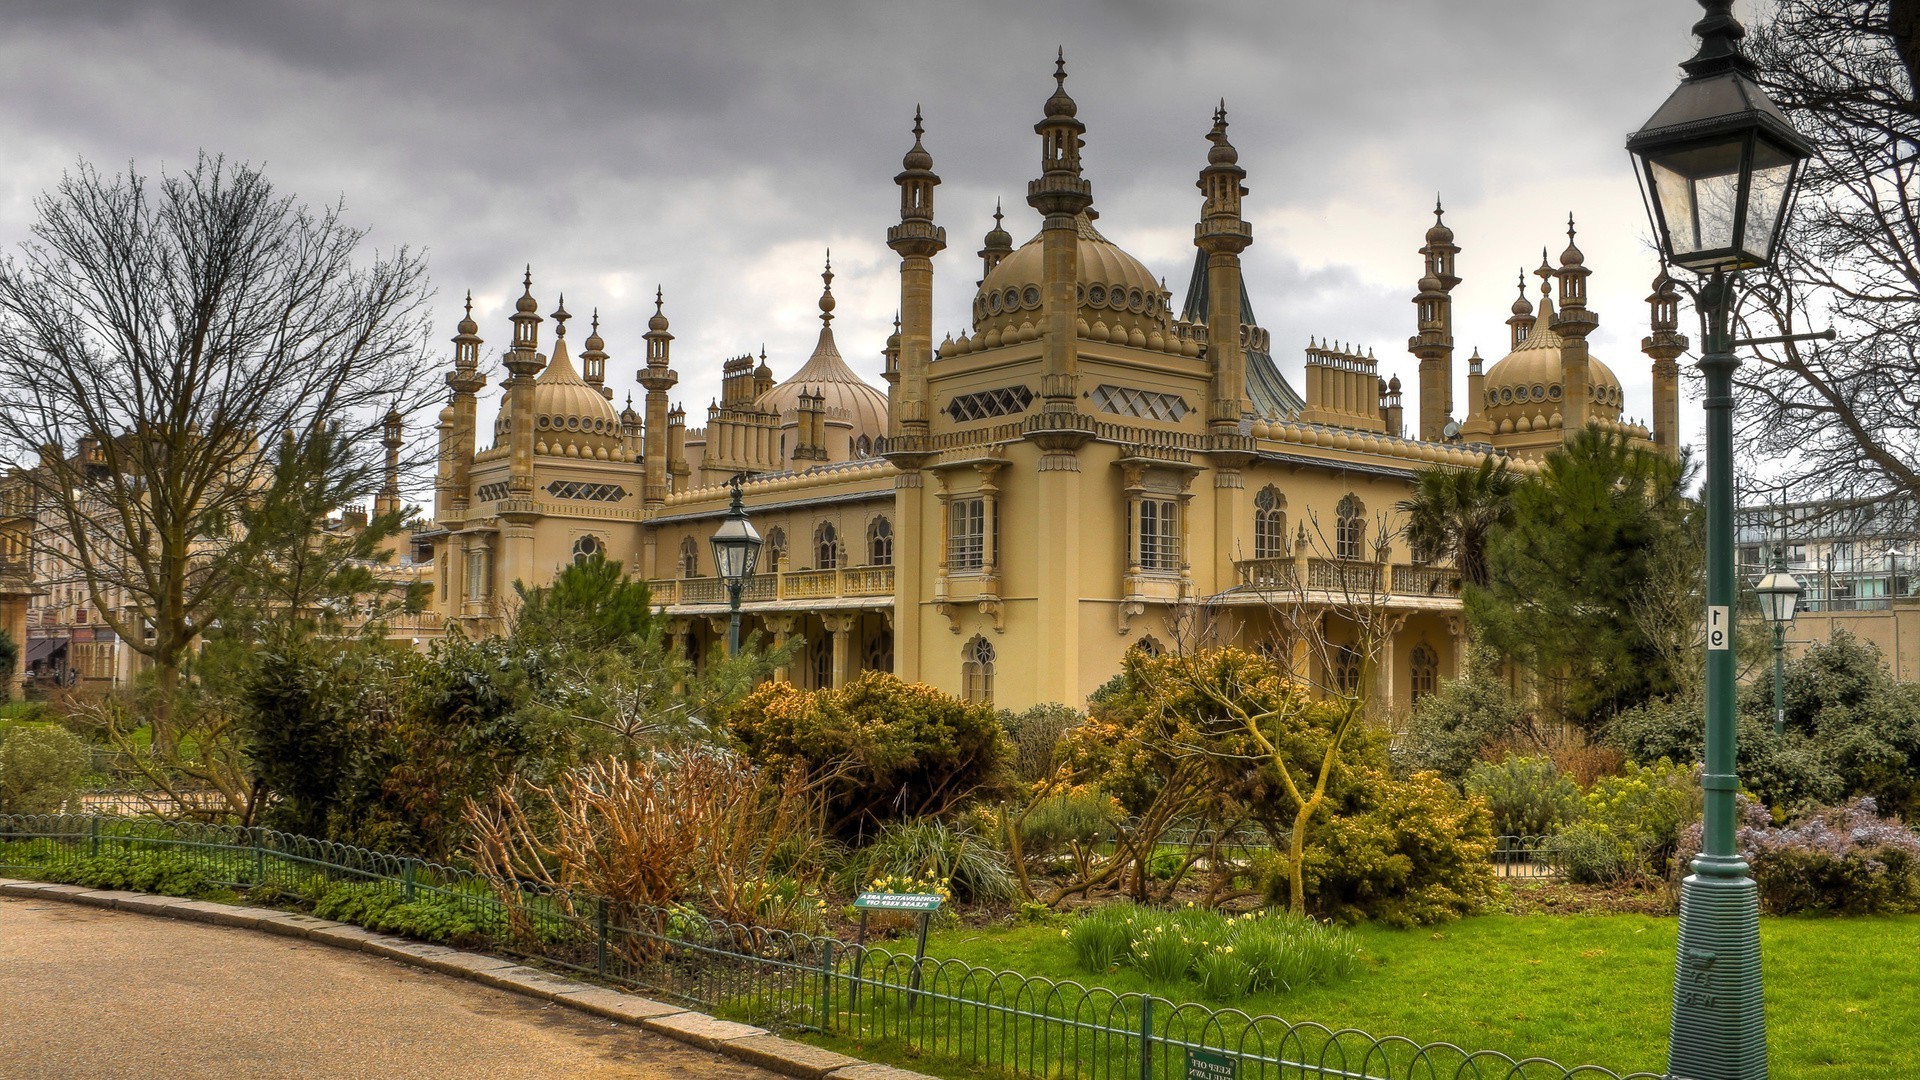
(1271, 393)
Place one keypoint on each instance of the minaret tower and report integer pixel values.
(593, 360)
(998, 245)
(1223, 234)
(916, 240)
(523, 362)
(1573, 325)
(1434, 343)
(1520, 323)
(388, 501)
(465, 381)
(1061, 194)
(656, 378)
(1665, 345)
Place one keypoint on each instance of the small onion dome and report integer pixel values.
(446, 416)
(1571, 256)
(1430, 284)
(1113, 287)
(527, 303)
(1439, 233)
(1060, 104)
(1222, 151)
(1393, 385)
(467, 326)
(659, 320)
(628, 417)
(593, 343)
(1522, 305)
(917, 159)
(998, 239)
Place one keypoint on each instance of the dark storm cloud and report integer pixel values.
(718, 148)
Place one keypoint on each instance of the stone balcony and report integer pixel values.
(853, 586)
(1341, 580)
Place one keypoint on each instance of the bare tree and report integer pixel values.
(165, 350)
(1841, 419)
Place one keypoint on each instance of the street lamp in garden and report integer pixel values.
(1718, 163)
(1779, 592)
(736, 548)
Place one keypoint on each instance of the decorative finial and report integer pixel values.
(918, 130)
(659, 298)
(1060, 65)
(469, 303)
(560, 318)
(1437, 208)
(826, 294)
(528, 280)
(1569, 228)
(997, 215)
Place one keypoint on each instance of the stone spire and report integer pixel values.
(452, 480)
(1061, 194)
(916, 240)
(1522, 319)
(1223, 233)
(593, 359)
(998, 245)
(1665, 346)
(523, 361)
(656, 378)
(1433, 344)
(1573, 325)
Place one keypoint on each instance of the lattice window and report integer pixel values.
(1005, 401)
(1346, 670)
(1159, 534)
(1425, 665)
(1149, 646)
(967, 537)
(976, 670)
(1269, 524)
(776, 549)
(493, 492)
(877, 655)
(689, 558)
(880, 542)
(1350, 529)
(1145, 404)
(826, 546)
(576, 489)
(587, 547)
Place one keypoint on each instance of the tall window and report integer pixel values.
(1159, 533)
(880, 542)
(689, 557)
(976, 670)
(1425, 670)
(878, 653)
(967, 537)
(1346, 669)
(826, 546)
(1350, 531)
(587, 547)
(1269, 523)
(862, 447)
(477, 573)
(776, 550)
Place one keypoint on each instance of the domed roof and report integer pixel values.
(1114, 287)
(1525, 384)
(571, 418)
(856, 411)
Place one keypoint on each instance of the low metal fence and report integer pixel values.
(1528, 857)
(949, 1015)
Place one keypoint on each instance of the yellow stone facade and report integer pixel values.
(1082, 470)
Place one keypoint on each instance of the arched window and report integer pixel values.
(1149, 646)
(1346, 669)
(826, 546)
(587, 547)
(976, 670)
(1425, 664)
(1269, 524)
(689, 557)
(862, 447)
(1350, 531)
(880, 542)
(775, 553)
(820, 659)
(877, 655)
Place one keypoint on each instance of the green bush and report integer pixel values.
(1642, 811)
(140, 871)
(1454, 728)
(1591, 855)
(1061, 820)
(884, 750)
(1846, 860)
(1034, 735)
(382, 906)
(1403, 852)
(1528, 796)
(40, 769)
(956, 855)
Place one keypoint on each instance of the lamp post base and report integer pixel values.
(1719, 1020)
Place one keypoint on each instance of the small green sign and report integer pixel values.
(881, 901)
(1210, 1065)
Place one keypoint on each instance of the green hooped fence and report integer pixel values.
(948, 1015)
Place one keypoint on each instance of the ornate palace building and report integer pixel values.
(1083, 470)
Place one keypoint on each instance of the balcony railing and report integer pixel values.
(848, 582)
(1340, 576)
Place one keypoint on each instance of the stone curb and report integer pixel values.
(743, 1042)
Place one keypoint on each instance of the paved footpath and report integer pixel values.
(86, 992)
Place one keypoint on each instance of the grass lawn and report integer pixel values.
(1843, 995)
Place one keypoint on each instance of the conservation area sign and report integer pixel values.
(880, 901)
(1210, 1065)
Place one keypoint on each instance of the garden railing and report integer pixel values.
(949, 1015)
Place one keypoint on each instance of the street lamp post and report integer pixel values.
(1779, 591)
(736, 548)
(1718, 162)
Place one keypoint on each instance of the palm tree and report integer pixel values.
(1452, 514)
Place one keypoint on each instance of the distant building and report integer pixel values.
(1856, 562)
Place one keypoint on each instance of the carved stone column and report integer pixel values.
(840, 624)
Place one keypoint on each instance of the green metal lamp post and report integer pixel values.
(1718, 162)
(1779, 592)
(736, 548)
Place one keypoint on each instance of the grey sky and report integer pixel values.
(717, 148)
